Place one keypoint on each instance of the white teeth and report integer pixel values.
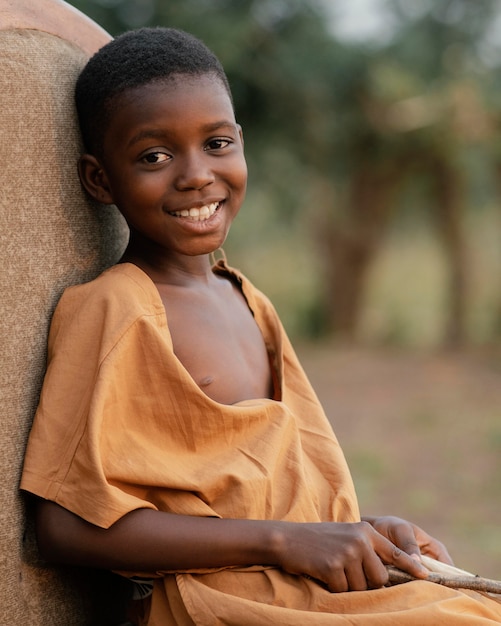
(198, 214)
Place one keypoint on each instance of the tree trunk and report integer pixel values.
(352, 242)
(448, 189)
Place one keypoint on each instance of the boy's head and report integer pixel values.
(131, 60)
(162, 143)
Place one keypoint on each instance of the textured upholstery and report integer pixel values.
(50, 237)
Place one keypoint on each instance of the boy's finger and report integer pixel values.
(391, 554)
(404, 538)
(408, 563)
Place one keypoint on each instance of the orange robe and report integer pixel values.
(121, 425)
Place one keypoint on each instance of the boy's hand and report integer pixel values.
(410, 538)
(347, 556)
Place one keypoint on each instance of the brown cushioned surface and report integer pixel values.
(50, 237)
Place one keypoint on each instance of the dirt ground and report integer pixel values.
(422, 435)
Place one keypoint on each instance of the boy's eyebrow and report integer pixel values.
(154, 133)
(147, 133)
(218, 125)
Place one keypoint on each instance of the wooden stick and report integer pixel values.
(472, 582)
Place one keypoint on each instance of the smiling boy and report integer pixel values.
(177, 437)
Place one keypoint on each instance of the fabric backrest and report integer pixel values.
(51, 236)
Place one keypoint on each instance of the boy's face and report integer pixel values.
(173, 164)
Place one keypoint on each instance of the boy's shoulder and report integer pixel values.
(92, 318)
(122, 288)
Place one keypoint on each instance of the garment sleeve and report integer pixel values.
(95, 353)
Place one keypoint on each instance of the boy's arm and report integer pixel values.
(148, 540)
(343, 556)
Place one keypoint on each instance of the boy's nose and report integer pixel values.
(194, 173)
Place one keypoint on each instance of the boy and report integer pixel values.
(177, 437)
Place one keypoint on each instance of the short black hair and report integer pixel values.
(133, 59)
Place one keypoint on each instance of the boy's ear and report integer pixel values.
(94, 179)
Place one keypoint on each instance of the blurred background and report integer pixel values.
(373, 222)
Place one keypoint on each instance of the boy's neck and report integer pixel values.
(178, 270)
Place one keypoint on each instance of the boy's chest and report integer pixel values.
(219, 343)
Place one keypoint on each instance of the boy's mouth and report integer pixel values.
(198, 214)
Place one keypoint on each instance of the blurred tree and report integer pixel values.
(419, 105)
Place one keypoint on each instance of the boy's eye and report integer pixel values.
(155, 157)
(218, 143)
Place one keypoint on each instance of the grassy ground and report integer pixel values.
(422, 435)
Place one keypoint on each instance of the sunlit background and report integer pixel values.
(372, 135)
(373, 221)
